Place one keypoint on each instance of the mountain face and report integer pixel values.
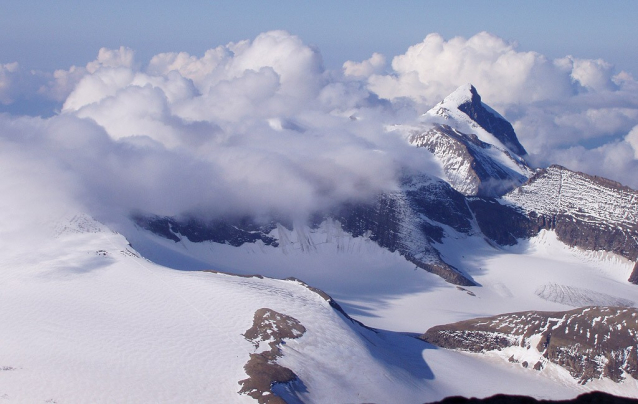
(408, 221)
(477, 148)
(585, 211)
(464, 107)
(488, 190)
(472, 166)
(591, 343)
(491, 121)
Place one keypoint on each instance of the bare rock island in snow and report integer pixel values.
(270, 328)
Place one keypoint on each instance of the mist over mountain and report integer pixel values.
(259, 126)
(276, 230)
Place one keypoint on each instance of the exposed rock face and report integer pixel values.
(262, 369)
(591, 343)
(469, 163)
(634, 275)
(476, 146)
(491, 121)
(585, 211)
(406, 221)
(229, 231)
(464, 109)
(502, 223)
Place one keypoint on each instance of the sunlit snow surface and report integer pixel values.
(385, 291)
(85, 318)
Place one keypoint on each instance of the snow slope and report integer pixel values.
(86, 319)
(448, 112)
(385, 291)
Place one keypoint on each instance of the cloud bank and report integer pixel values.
(251, 128)
(259, 127)
(568, 111)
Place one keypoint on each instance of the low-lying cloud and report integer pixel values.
(259, 127)
(251, 128)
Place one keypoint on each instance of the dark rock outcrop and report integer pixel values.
(262, 368)
(232, 231)
(633, 278)
(591, 343)
(502, 223)
(594, 397)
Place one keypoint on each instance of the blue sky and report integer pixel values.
(56, 34)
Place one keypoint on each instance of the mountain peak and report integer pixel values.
(463, 94)
(465, 102)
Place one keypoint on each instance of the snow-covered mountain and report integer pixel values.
(184, 309)
(477, 148)
(590, 212)
(87, 319)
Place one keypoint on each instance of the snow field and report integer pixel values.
(92, 322)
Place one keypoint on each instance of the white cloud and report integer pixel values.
(122, 57)
(632, 139)
(432, 69)
(375, 64)
(62, 82)
(259, 126)
(6, 72)
(253, 127)
(593, 74)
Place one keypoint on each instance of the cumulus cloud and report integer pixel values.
(560, 108)
(432, 69)
(375, 64)
(6, 72)
(259, 126)
(255, 127)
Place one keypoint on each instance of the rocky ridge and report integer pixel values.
(477, 147)
(585, 211)
(469, 164)
(591, 342)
